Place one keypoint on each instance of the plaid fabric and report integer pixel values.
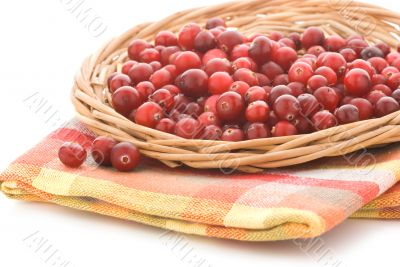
(299, 202)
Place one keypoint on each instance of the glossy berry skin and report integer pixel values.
(365, 108)
(160, 78)
(208, 118)
(284, 57)
(347, 113)
(125, 157)
(213, 53)
(348, 54)
(188, 128)
(127, 66)
(187, 35)
(166, 38)
(118, 81)
(149, 114)
(312, 36)
(214, 23)
(240, 87)
(396, 95)
(228, 40)
(166, 125)
(287, 107)
(211, 104)
(164, 98)
(323, 120)
(233, 135)
(193, 109)
(284, 128)
(187, 60)
(278, 91)
(101, 150)
(145, 89)
(126, 99)
(136, 47)
(385, 106)
(229, 106)
(328, 73)
(140, 72)
(357, 82)
(335, 61)
(374, 96)
(149, 55)
(271, 70)
(261, 49)
(194, 83)
(218, 65)
(219, 83)
(247, 76)
(257, 111)
(327, 97)
(394, 81)
(211, 132)
(300, 72)
(204, 41)
(257, 130)
(72, 154)
(309, 105)
(316, 82)
(256, 93)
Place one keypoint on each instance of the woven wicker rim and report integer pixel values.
(92, 99)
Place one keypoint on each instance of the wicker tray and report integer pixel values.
(92, 99)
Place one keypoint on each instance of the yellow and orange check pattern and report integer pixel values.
(298, 202)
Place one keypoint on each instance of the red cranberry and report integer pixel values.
(271, 70)
(391, 57)
(188, 128)
(149, 55)
(300, 72)
(385, 48)
(244, 63)
(263, 80)
(257, 130)
(166, 38)
(374, 96)
(208, 118)
(211, 104)
(240, 88)
(204, 41)
(145, 89)
(295, 37)
(230, 106)
(164, 98)
(155, 65)
(101, 149)
(126, 99)
(149, 114)
(72, 154)
(347, 113)
(348, 54)
(228, 40)
(194, 83)
(394, 81)
(296, 88)
(303, 125)
(309, 105)
(241, 50)
(323, 120)
(246, 76)
(213, 53)
(218, 65)
(136, 47)
(257, 111)
(160, 78)
(378, 63)
(312, 36)
(275, 35)
(232, 135)
(219, 83)
(187, 60)
(284, 128)
(316, 82)
(167, 52)
(365, 108)
(118, 81)
(316, 50)
(396, 95)
(256, 93)
(125, 157)
(357, 82)
(327, 97)
(284, 57)
(211, 132)
(127, 66)
(260, 50)
(166, 125)
(385, 106)
(140, 72)
(369, 52)
(389, 71)
(362, 64)
(287, 107)
(328, 73)
(214, 23)
(384, 88)
(357, 45)
(335, 61)
(278, 91)
(378, 79)
(334, 43)
(287, 42)
(282, 79)
(193, 109)
(187, 35)
(173, 89)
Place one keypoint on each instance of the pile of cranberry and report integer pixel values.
(217, 84)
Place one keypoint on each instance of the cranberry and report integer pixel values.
(369, 52)
(218, 65)
(261, 49)
(295, 37)
(389, 71)
(149, 114)
(194, 83)
(287, 42)
(211, 104)
(219, 83)
(160, 78)
(378, 79)
(309, 105)
(213, 53)
(362, 64)
(323, 120)
(155, 65)
(374, 96)
(126, 99)
(303, 125)
(72, 154)
(385, 48)
(391, 57)
(101, 149)
(173, 89)
(275, 35)
(278, 91)
(271, 70)
(167, 52)
(164, 98)
(357, 82)
(348, 54)
(166, 38)
(239, 87)
(334, 43)
(394, 81)
(208, 118)
(284, 57)
(246, 76)
(149, 55)
(256, 93)
(384, 88)
(300, 72)
(136, 47)
(378, 63)
(328, 73)
(347, 113)
(365, 108)
(204, 41)
(316, 50)
(257, 130)
(257, 111)
(312, 36)
(230, 106)
(228, 40)
(335, 61)
(244, 63)
(145, 89)
(181, 102)
(385, 106)
(357, 45)
(282, 79)
(193, 109)
(211, 132)
(140, 72)
(296, 88)
(187, 128)
(118, 81)
(263, 80)
(166, 125)
(125, 156)
(232, 135)
(284, 128)
(214, 23)
(316, 82)
(127, 66)
(327, 97)
(287, 107)
(241, 50)
(187, 35)
(187, 60)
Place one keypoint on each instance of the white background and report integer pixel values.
(42, 45)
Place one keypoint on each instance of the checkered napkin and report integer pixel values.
(298, 202)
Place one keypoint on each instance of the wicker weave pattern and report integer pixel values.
(92, 99)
